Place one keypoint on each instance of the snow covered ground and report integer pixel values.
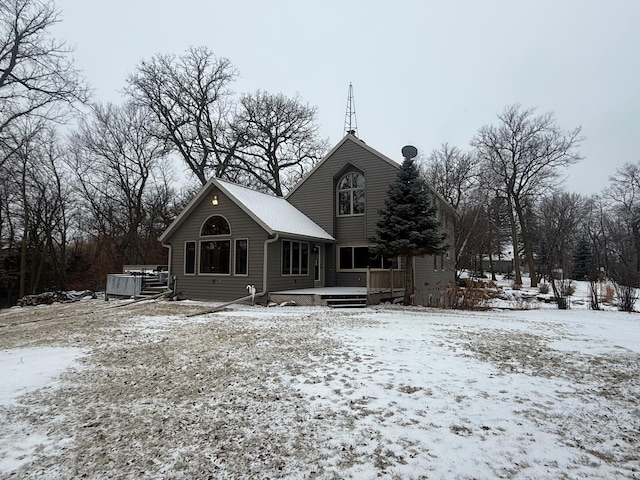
(143, 391)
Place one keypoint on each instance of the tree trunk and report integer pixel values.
(636, 240)
(514, 241)
(23, 265)
(408, 280)
(528, 245)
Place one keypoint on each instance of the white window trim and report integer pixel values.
(235, 249)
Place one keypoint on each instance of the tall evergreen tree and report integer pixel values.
(408, 226)
(583, 267)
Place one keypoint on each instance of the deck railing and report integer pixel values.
(384, 280)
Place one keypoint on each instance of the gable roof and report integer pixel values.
(272, 213)
(346, 138)
(361, 143)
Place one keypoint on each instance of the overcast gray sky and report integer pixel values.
(423, 72)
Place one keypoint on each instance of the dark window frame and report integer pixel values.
(295, 258)
(190, 262)
(358, 259)
(214, 226)
(236, 252)
(217, 243)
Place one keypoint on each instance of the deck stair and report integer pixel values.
(153, 285)
(345, 300)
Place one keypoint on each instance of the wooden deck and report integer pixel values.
(344, 297)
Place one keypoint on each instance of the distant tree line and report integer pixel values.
(508, 191)
(78, 203)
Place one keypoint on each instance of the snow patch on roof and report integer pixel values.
(275, 213)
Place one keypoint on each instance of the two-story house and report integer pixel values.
(317, 237)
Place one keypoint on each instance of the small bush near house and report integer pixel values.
(470, 295)
(543, 288)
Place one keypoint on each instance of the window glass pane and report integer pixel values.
(346, 260)
(286, 257)
(360, 257)
(295, 258)
(215, 256)
(215, 225)
(304, 258)
(358, 181)
(344, 203)
(358, 201)
(345, 182)
(190, 258)
(242, 257)
(389, 262)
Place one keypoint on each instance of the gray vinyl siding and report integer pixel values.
(217, 287)
(316, 196)
(280, 282)
(429, 282)
(351, 230)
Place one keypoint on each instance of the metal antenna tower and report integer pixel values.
(350, 121)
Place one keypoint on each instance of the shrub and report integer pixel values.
(543, 288)
(626, 297)
(568, 289)
(474, 295)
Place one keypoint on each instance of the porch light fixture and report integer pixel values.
(214, 200)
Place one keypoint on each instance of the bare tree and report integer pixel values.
(559, 216)
(525, 152)
(624, 195)
(452, 172)
(118, 162)
(37, 76)
(281, 140)
(189, 96)
(36, 198)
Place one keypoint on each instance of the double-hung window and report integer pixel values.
(295, 257)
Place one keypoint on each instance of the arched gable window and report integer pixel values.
(215, 255)
(215, 225)
(351, 194)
